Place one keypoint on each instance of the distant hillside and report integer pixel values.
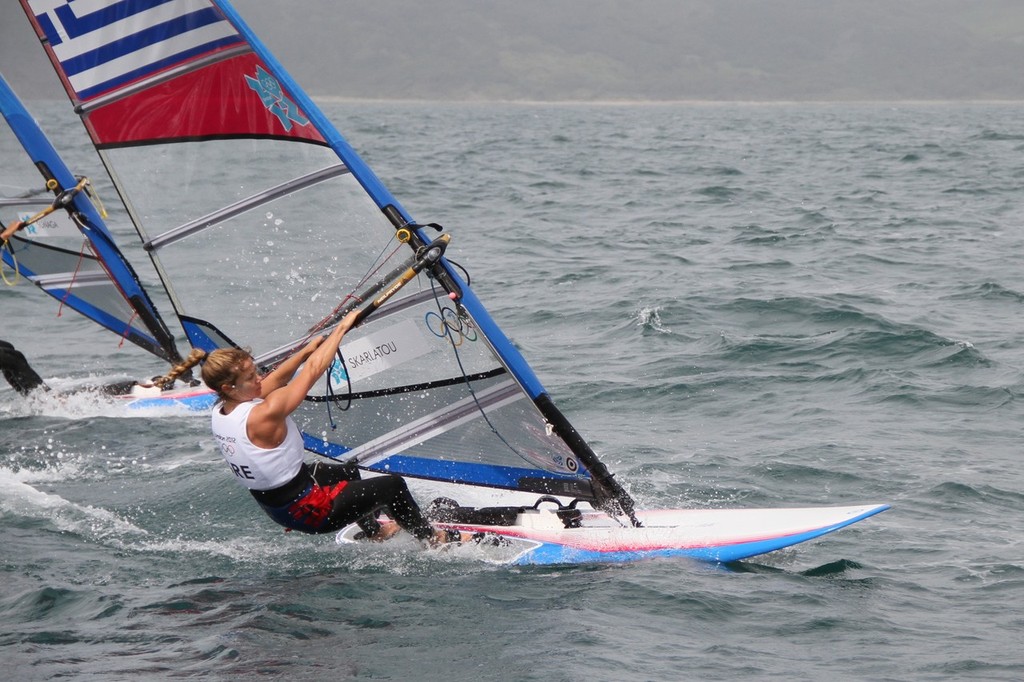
(652, 49)
(614, 50)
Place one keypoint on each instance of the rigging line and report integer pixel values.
(408, 388)
(86, 229)
(334, 314)
(465, 272)
(74, 276)
(330, 390)
(469, 384)
(426, 257)
(14, 262)
(94, 196)
(128, 327)
(352, 296)
(272, 357)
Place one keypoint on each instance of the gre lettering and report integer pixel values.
(242, 472)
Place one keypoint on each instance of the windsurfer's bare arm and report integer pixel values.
(281, 396)
(10, 230)
(283, 373)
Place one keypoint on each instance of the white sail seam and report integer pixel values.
(63, 279)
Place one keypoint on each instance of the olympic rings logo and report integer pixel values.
(450, 324)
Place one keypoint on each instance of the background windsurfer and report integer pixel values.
(19, 374)
(17, 371)
(264, 448)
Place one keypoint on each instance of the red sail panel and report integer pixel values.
(236, 97)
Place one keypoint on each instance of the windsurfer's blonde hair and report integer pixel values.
(167, 381)
(222, 367)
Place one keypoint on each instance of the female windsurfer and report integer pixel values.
(263, 446)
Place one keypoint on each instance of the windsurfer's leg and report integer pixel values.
(327, 474)
(17, 371)
(389, 493)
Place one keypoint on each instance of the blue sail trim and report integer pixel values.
(76, 26)
(196, 331)
(130, 76)
(78, 31)
(98, 315)
(442, 470)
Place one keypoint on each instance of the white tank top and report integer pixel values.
(254, 467)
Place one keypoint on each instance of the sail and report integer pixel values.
(263, 221)
(70, 254)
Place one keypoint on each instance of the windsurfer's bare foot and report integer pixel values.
(388, 530)
(443, 536)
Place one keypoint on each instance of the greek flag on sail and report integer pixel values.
(103, 44)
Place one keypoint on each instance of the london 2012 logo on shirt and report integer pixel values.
(274, 99)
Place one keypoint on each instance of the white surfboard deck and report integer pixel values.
(718, 535)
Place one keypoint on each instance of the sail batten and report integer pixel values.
(162, 77)
(64, 280)
(413, 388)
(247, 204)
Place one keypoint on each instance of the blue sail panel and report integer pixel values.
(114, 298)
(78, 281)
(141, 40)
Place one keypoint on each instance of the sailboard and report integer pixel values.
(548, 532)
(263, 224)
(68, 252)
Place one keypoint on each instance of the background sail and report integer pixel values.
(179, 97)
(70, 254)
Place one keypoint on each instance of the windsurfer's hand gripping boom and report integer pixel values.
(10, 230)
